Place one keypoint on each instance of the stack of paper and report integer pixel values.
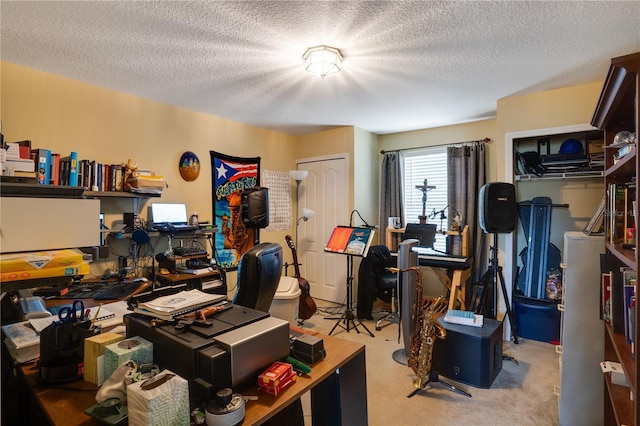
(22, 341)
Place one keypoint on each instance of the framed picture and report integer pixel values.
(596, 224)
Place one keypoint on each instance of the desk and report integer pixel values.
(455, 283)
(64, 404)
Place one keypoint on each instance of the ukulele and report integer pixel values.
(307, 306)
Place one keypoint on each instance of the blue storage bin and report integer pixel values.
(537, 319)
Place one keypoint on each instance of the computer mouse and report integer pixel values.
(140, 280)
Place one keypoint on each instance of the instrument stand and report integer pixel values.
(349, 320)
(435, 378)
(497, 275)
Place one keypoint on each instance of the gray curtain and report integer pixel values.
(467, 174)
(391, 191)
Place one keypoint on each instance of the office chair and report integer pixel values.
(259, 272)
(375, 281)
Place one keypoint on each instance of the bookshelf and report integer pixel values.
(617, 110)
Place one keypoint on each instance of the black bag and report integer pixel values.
(531, 162)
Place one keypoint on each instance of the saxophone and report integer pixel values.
(424, 329)
(423, 342)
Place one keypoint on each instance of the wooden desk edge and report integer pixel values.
(70, 408)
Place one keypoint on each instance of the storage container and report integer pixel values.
(537, 319)
(286, 300)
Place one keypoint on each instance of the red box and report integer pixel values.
(277, 378)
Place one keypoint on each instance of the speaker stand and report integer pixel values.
(435, 378)
(349, 320)
(496, 271)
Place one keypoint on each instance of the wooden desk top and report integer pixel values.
(64, 404)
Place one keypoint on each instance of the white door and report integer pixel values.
(325, 191)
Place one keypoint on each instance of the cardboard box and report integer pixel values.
(38, 260)
(93, 356)
(277, 378)
(60, 271)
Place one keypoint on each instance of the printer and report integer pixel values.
(231, 353)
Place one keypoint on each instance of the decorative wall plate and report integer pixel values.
(189, 166)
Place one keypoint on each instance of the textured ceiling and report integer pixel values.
(407, 64)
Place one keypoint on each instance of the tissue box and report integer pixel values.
(161, 400)
(135, 348)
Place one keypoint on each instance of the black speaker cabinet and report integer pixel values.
(498, 208)
(469, 355)
(254, 207)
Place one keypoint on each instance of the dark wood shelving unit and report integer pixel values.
(618, 110)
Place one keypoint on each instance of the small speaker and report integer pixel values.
(129, 219)
(498, 208)
(254, 207)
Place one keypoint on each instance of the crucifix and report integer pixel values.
(424, 188)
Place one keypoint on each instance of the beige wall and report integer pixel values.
(112, 127)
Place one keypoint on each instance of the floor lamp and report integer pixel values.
(299, 176)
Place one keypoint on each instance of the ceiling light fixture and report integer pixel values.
(323, 60)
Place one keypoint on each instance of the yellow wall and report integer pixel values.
(112, 127)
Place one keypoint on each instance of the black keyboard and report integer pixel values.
(100, 290)
(189, 251)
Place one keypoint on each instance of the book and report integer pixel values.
(42, 162)
(184, 302)
(22, 341)
(195, 271)
(350, 240)
(605, 313)
(73, 169)
(18, 165)
(455, 316)
(55, 169)
(617, 302)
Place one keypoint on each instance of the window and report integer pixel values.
(429, 164)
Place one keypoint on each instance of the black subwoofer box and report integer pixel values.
(469, 355)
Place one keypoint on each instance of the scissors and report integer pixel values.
(70, 314)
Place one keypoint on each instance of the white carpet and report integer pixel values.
(522, 393)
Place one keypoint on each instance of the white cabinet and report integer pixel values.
(581, 385)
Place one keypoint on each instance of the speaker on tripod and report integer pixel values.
(498, 215)
(254, 207)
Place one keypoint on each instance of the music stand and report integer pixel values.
(350, 241)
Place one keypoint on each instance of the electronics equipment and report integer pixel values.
(470, 355)
(425, 233)
(498, 208)
(31, 306)
(171, 217)
(240, 343)
(254, 207)
(128, 219)
(307, 348)
(188, 251)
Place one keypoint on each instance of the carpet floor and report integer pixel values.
(521, 394)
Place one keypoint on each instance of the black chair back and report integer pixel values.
(259, 272)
